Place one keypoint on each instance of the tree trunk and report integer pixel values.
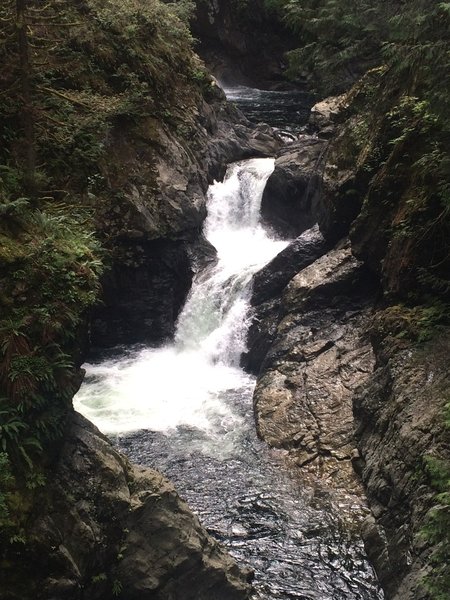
(27, 112)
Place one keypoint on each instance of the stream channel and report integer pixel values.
(186, 409)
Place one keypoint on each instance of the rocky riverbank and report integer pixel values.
(104, 528)
(342, 379)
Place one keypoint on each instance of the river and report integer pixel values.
(286, 110)
(186, 409)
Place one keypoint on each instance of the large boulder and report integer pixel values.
(318, 178)
(103, 528)
(319, 355)
(289, 202)
(267, 285)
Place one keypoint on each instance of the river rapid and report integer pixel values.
(284, 110)
(186, 409)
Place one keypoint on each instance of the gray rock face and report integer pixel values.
(241, 44)
(153, 223)
(399, 418)
(318, 357)
(267, 286)
(106, 528)
(289, 203)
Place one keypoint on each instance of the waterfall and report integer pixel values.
(184, 382)
(186, 409)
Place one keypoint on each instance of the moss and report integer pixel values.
(437, 525)
(402, 324)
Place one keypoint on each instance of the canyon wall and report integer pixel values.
(352, 367)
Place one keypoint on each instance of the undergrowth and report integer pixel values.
(94, 67)
(437, 525)
(50, 264)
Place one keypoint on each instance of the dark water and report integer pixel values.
(287, 110)
(301, 540)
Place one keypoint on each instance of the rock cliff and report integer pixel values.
(343, 378)
(104, 528)
(241, 42)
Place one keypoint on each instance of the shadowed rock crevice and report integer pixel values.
(242, 44)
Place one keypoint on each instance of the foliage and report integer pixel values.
(339, 40)
(117, 588)
(50, 265)
(416, 324)
(93, 63)
(437, 526)
(6, 482)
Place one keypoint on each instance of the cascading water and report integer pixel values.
(186, 410)
(180, 384)
(212, 321)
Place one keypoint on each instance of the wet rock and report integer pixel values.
(319, 355)
(317, 179)
(290, 199)
(319, 359)
(398, 413)
(268, 284)
(104, 528)
(327, 113)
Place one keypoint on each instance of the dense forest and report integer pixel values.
(76, 77)
(71, 74)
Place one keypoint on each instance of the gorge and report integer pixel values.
(198, 426)
(290, 274)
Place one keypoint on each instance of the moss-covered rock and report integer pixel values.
(103, 528)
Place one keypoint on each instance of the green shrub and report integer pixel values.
(437, 526)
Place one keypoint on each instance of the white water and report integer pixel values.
(185, 383)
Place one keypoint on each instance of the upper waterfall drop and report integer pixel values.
(235, 203)
(213, 319)
(184, 383)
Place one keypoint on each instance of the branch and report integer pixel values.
(74, 24)
(63, 96)
(53, 120)
(33, 9)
